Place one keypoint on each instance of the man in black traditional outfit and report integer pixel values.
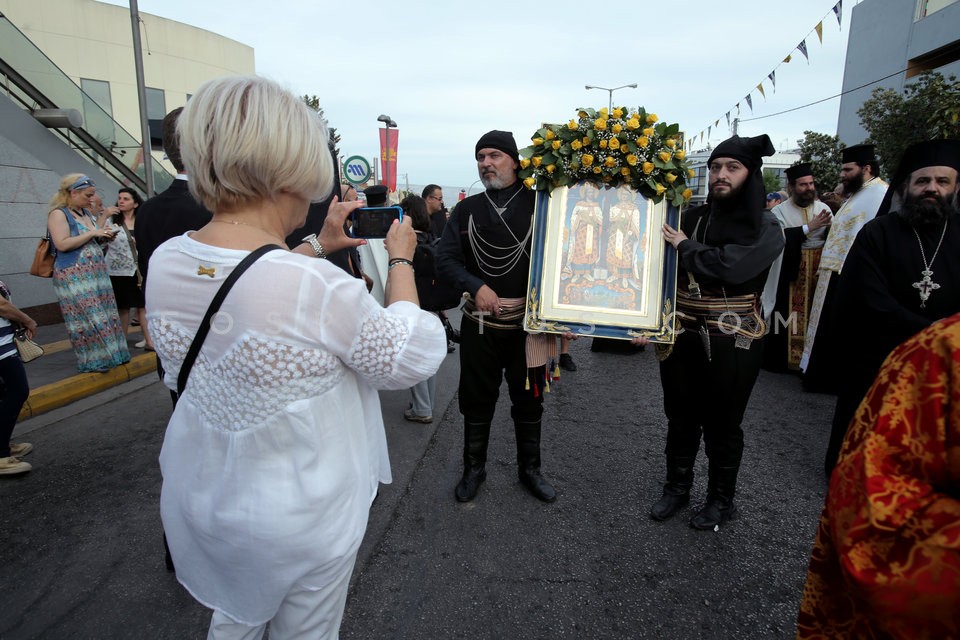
(726, 248)
(485, 251)
(901, 275)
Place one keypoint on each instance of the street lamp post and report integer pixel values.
(610, 91)
(387, 122)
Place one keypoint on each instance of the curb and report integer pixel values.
(63, 392)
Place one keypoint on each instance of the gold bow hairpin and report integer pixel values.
(206, 271)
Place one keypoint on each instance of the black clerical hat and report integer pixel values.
(930, 153)
(376, 195)
(749, 151)
(799, 171)
(859, 153)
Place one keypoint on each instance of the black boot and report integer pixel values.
(528, 461)
(676, 492)
(475, 438)
(720, 491)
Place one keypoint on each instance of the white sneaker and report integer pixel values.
(141, 344)
(20, 449)
(11, 465)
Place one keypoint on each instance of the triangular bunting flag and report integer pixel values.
(802, 47)
(788, 58)
(838, 11)
(709, 131)
(760, 89)
(773, 79)
(728, 118)
(701, 136)
(716, 122)
(738, 108)
(749, 102)
(819, 30)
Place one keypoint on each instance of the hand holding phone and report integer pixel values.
(373, 222)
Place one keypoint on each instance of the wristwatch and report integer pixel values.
(318, 249)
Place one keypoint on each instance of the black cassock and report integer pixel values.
(878, 306)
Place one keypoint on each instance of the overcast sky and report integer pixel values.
(447, 72)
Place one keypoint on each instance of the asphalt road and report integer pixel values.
(82, 555)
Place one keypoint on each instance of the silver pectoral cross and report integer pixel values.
(926, 286)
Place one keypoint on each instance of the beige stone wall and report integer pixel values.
(90, 39)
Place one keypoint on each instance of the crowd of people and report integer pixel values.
(276, 445)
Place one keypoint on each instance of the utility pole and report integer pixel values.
(142, 97)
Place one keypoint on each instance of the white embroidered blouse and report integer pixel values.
(275, 450)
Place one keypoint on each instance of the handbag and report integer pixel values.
(204, 329)
(27, 348)
(43, 259)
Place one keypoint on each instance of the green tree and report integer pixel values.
(771, 181)
(823, 152)
(928, 108)
(314, 103)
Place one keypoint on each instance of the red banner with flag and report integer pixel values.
(389, 165)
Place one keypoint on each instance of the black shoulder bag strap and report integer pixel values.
(204, 329)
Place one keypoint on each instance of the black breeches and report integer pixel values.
(485, 359)
(708, 397)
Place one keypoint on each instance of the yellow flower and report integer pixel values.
(550, 135)
(648, 168)
(625, 171)
(687, 194)
(633, 123)
(537, 160)
(610, 161)
(614, 143)
(556, 144)
(597, 169)
(576, 145)
(572, 125)
(631, 160)
(530, 182)
(604, 112)
(524, 163)
(617, 128)
(586, 159)
(649, 132)
(618, 113)
(600, 124)
(660, 189)
(665, 156)
(671, 143)
(643, 141)
(537, 142)
(551, 168)
(680, 155)
(670, 177)
(691, 173)
(651, 118)
(603, 144)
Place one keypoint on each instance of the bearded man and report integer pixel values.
(859, 174)
(485, 251)
(726, 248)
(805, 221)
(901, 275)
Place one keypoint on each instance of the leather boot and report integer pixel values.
(476, 435)
(676, 492)
(528, 461)
(719, 507)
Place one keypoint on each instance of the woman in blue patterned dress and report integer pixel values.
(80, 278)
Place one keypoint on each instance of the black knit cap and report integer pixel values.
(749, 151)
(798, 171)
(860, 153)
(501, 140)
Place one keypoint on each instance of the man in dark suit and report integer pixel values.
(172, 212)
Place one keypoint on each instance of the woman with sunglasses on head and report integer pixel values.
(80, 277)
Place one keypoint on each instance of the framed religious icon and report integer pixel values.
(599, 264)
